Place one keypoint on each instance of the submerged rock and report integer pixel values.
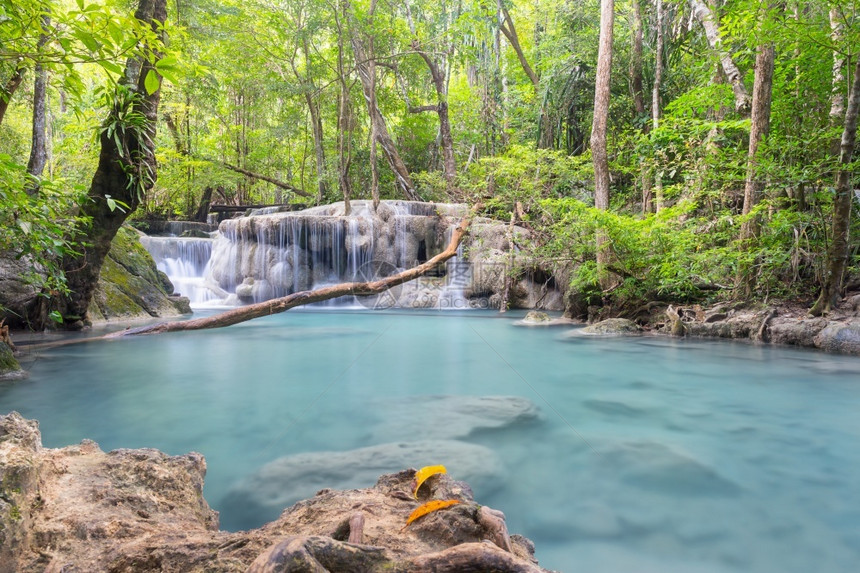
(81, 509)
(452, 417)
(537, 317)
(288, 479)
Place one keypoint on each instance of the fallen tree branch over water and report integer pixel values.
(278, 305)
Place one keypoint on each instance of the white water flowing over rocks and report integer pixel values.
(271, 254)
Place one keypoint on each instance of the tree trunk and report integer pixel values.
(636, 62)
(7, 91)
(124, 173)
(599, 126)
(837, 97)
(202, 213)
(365, 66)
(759, 128)
(312, 99)
(601, 106)
(837, 254)
(704, 15)
(509, 30)
(278, 305)
(656, 108)
(319, 149)
(178, 144)
(449, 162)
(267, 179)
(39, 146)
(344, 118)
(344, 145)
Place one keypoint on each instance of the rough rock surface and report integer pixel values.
(81, 509)
(130, 286)
(611, 327)
(291, 478)
(781, 324)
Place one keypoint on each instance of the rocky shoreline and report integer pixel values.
(81, 509)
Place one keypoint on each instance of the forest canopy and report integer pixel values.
(684, 151)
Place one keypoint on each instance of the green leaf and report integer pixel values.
(88, 40)
(115, 32)
(166, 63)
(151, 82)
(56, 316)
(170, 76)
(111, 66)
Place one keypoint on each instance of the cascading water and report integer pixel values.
(184, 261)
(269, 255)
(275, 254)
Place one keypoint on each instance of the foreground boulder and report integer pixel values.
(81, 509)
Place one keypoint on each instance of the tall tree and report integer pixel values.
(636, 88)
(656, 107)
(838, 252)
(365, 65)
(438, 76)
(345, 121)
(39, 142)
(759, 128)
(601, 118)
(126, 169)
(837, 97)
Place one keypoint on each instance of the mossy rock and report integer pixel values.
(612, 327)
(536, 317)
(9, 367)
(130, 285)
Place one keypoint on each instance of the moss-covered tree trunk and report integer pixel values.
(126, 170)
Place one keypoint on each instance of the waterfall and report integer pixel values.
(184, 261)
(273, 254)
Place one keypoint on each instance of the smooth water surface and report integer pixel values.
(648, 454)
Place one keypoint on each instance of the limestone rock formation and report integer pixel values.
(271, 254)
(130, 511)
(611, 327)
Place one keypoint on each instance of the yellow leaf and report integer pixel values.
(424, 473)
(430, 507)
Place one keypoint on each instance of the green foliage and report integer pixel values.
(38, 228)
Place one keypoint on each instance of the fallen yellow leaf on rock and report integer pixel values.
(430, 507)
(424, 473)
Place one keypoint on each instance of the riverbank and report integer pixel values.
(141, 510)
